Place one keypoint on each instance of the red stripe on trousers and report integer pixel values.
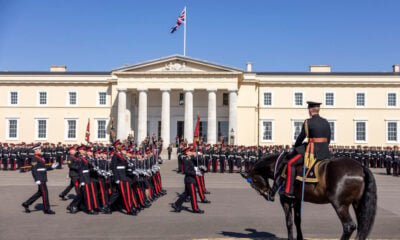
(123, 195)
(102, 193)
(88, 198)
(140, 195)
(94, 196)
(289, 171)
(200, 189)
(159, 179)
(202, 183)
(44, 196)
(129, 194)
(76, 186)
(133, 198)
(193, 197)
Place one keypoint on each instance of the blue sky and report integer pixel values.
(279, 35)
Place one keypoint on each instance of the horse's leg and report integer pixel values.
(297, 219)
(287, 208)
(347, 222)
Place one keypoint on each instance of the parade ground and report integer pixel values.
(236, 211)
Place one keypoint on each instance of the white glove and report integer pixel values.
(196, 169)
(37, 182)
(82, 184)
(54, 165)
(117, 182)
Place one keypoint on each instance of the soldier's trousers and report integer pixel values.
(222, 164)
(230, 164)
(13, 163)
(189, 192)
(74, 183)
(89, 194)
(123, 192)
(291, 174)
(103, 192)
(200, 188)
(59, 160)
(42, 192)
(214, 164)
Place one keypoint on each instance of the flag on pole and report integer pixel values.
(196, 130)
(87, 136)
(181, 19)
(112, 131)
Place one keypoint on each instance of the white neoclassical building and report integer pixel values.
(164, 97)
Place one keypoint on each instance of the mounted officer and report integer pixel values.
(318, 132)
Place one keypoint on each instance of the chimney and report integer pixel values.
(320, 68)
(396, 68)
(248, 67)
(54, 68)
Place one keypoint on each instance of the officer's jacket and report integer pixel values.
(74, 166)
(118, 166)
(317, 128)
(39, 169)
(84, 170)
(188, 169)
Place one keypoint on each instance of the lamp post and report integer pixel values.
(232, 137)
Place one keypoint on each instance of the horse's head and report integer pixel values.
(262, 171)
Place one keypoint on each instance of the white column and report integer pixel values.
(188, 131)
(165, 116)
(121, 130)
(212, 116)
(142, 115)
(233, 115)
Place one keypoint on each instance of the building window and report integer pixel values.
(102, 98)
(181, 98)
(13, 98)
(329, 99)
(360, 99)
(225, 99)
(42, 98)
(391, 131)
(361, 131)
(101, 129)
(267, 130)
(267, 99)
(72, 98)
(71, 129)
(12, 128)
(41, 129)
(332, 125)
(392, 100)
(298, 99)
(297, 125)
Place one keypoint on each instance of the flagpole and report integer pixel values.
(184, 35)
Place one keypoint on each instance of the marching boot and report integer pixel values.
(133, 212)
(26, 207)
(62, 197)
(49, 211)
(93, 212)
(206, 201)
(198, 211)
(207, 192)
(176, 208)
(106, 210)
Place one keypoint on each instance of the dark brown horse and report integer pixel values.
(343, 182)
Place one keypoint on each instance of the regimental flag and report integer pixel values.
(196, 130)
(181, 19)
(87, 135)
(112, 131)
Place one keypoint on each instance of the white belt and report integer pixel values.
(230, 156)
(85, 171)
(120, 167)
(41, 169)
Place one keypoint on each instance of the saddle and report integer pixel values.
(312, 175)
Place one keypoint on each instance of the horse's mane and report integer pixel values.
(266, 160)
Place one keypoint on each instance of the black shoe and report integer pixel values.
(73, 210)
(62, 197)
(133, 212)
(26, 207)
(50, 212)
(93, 212)
(106, 210)
(198, 211)
(206, 192)
(206, 201)
(187, 199)
(176, 208)
(69, 208)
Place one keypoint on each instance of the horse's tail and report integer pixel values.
(366, 208)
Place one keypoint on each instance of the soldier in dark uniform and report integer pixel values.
(190, 185)
(39, 173)
(73, 174)
(6, 156)
(59, 155)
(319, 134)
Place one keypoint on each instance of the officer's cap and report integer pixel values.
(312, 104)
(37, 146)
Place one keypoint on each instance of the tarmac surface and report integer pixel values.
(236, 211)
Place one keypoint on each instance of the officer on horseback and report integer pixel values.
(318, 132)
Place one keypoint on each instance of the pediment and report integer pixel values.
(177, 64)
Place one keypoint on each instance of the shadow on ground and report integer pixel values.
(252, 234)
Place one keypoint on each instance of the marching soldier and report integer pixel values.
(59, 155)
(190, 185)
(39, 173)
(73, 174)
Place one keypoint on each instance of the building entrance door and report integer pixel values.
(180, 130)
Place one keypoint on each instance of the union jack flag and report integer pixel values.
(181, 19)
